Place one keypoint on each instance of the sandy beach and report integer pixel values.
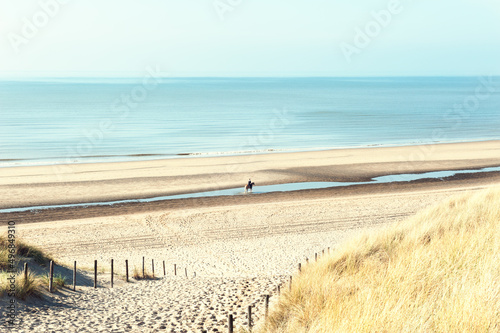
(83, 183)
(234, 249)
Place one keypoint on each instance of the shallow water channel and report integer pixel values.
(269, 188)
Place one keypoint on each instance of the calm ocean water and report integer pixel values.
(92, 120)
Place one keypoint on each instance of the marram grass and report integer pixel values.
(22, 250)
(138, 275)
(23, 288)
(438, 271)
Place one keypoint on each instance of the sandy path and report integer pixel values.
(167, 305)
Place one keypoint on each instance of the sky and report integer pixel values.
(249, 38)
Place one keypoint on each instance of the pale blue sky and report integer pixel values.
(251, 38)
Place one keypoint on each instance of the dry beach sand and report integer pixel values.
(234, 249)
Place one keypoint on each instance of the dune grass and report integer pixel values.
(30, 251)
(58, 281)
(28, 287)
(4, 258)
(23, 287)
(22, 250)
(438, 271)
(137, 275)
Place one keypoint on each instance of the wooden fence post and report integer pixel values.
(290, 283)
(153, 267)
(175, 269)
(126, 268)
(315, 257)
(250, 317)
(25, 272)
(51, 275)
(267, 306)
(164, 271)
(279, 290)
(74, 276)
(186, 271)
(112, 273)
(230, 328)
(95, 273)
(143, 269)
(300, 267)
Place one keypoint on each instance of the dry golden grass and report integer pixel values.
(439, 271)
(4, 258)
(23, 250)
(139, 276)
(23, 288)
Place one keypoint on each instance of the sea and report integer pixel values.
(47, 121)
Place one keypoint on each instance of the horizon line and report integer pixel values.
(20, 78)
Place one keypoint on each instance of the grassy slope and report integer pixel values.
(439, 271)
(23, 250)
(24, 288)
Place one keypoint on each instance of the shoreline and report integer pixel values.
(161, 157)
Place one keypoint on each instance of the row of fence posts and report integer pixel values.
(51, 272)
(266, 302)
(127, 270)
(230, 317)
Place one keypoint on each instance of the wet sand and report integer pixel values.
(84, 183)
